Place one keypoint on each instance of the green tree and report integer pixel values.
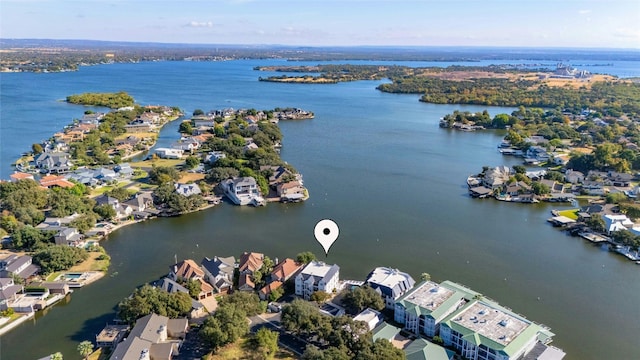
(56, 356)
(248, 302)
(53, 258)
(163, 174)
(266, 342)
(425, 277)
(85, 348)
(120, 193)
(148, 299)
(37, 149)
(360, 298)
(186, 127)
(191, 162)
(596, 223)
(105, 211)
(198, 112)
(540, 188)
(305, 257)
(319, 296)
(194, 288)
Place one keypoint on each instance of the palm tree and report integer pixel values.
(85, 348)
(56, 356)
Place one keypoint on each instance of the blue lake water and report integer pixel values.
(377, 164)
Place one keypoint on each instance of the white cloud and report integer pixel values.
(196, 24)
(584, 12)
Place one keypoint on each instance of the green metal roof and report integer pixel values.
(385, 331)
(531, 331)
(421, 349)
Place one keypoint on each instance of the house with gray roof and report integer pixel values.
(219, 272)
(390, 283)
(187, 189)
(53, 162)
(21, 266)
(153, 337)
(8, 292)
(69, 236)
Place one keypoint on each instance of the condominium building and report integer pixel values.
(423, 308)
(317, 276)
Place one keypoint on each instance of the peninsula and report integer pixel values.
(73, 189)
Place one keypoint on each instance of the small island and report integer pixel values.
(76, 187)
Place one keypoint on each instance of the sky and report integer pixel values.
(509, 23)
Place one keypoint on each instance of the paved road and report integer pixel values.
(291, 342)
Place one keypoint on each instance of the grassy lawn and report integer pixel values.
(241, 350)
(157, 162)
(53, 275)
(185, 177)
(571, 213)
(92, 263)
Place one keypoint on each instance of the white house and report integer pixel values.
(242, 191)
(390, 283)
(317, 276)
(617, 222)
(167, 153)
(187, 189)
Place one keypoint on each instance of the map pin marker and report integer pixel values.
(326, 232)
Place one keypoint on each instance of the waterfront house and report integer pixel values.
(9, 291)
(241, 191)
(21, 266)
(140, 202)
(53, 162)
(617, 223)
(219, 272)
(250, 262)
(167, 153)
(290, 191)
(185, 270)
(390, 283)
(495, 178)
(111, 335)
(422, 308)
(69, 236)
(187, 189)
(153, 337)
(317, 276)
(197, 308)
(285, 270)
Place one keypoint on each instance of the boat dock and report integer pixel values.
(593, 237)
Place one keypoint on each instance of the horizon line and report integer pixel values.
(332, 46)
